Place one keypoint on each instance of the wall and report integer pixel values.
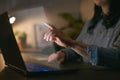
(52, 7)
(86, 9)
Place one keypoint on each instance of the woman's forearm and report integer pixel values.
(81, 49)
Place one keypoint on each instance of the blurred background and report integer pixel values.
(67, 15)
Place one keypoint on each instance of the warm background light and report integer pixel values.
(12, 20)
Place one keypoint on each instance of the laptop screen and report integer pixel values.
(8, 44)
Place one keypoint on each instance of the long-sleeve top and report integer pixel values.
(104, 44)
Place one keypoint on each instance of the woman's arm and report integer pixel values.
(95, 54)
(99, 55)
(80, 49)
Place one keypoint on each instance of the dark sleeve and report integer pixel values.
(105, 56)
(109, 57)
(72, 55)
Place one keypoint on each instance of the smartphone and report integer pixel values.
(47, 25)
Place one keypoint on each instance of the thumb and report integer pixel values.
(52, 57)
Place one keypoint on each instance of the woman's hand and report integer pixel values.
(55, 35)
(59, 56)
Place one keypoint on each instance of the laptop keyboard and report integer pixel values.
(37, 68)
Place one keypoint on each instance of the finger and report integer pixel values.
(46, 35)
(52, 57)
(60, 60)
(60, 57)
(49, 26)
(52, 37)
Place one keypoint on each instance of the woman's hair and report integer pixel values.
(108, 20)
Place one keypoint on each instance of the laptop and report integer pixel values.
(13, 58)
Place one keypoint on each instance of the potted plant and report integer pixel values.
(75, 25)
(21, 39)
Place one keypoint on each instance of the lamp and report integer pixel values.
(12, 19)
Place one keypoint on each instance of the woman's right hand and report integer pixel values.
(55, 35)
(59, 57)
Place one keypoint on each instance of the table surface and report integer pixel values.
(83, 74)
